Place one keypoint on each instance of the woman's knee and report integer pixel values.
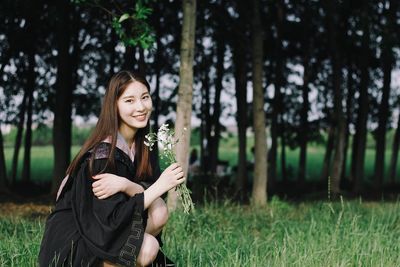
(148, 251)
(159, 213)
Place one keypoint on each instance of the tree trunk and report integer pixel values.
(395, 154)
(277, 109)
(283, 152)
(129, 59)
(142, 63)
(259, 195)
(63, 99)
(326, 165)
(18, 138)
(240, 73)
(3, 170)
(156, 94)
(205, 122)
(362, 114)
(215, 125)
(387, 62)
(185, 91)
(339, 119)
(349, 111)
(304, 120)
(26, 170)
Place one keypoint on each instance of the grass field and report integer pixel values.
(42, 160)
(225, 234)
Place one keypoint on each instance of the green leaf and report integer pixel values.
(123, 17)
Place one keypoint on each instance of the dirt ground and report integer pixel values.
(26, 210)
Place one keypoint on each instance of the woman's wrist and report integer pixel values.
(131, 188)
(151, 194)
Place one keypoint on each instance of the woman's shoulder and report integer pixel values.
(102, 151)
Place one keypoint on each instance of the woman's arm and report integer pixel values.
(109, 184)
(170, 178)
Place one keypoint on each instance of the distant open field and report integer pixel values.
(42, 160)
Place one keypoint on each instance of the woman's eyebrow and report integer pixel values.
(128, 96)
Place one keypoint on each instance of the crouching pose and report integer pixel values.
(109, 210)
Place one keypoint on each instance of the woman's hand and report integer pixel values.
(108, 184)
(171, 177)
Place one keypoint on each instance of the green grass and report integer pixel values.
(316, 234)
(282, 234)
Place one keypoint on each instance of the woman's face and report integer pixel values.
(134, 107)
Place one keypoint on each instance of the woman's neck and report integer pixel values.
(128, 134)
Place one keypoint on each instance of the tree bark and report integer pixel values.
(185, 91)
(304, 120)
(129, 59)
(362, 114)
(240, 74)
(339, 120)
(142, 64)
(63, 99)
(328, 155)
(277, 109)
(215, 124)
(349, 111)
(387, 65)
(3, 167)
(18, 138)
(395, 154)
(26, 170)
(205, 121)
(259, 195)
(308, 47)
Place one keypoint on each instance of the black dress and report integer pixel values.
(83, 230)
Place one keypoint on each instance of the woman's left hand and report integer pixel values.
(108, 184)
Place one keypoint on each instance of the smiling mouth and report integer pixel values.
(140, 117)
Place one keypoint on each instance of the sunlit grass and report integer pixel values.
(281, 234)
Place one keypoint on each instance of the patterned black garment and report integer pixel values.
(83, 230)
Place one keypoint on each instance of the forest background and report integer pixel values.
(329, 82)
(291, 105)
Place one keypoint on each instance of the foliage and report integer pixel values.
(133, 28)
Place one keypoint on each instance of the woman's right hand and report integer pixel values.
(171, 177)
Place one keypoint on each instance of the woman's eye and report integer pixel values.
(129, 101)
(146, 97)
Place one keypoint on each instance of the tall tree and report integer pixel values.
(3, 170)
(240, 75)
(26, 170)
(307, 44)
(215, 124)
(63, 100)
(185, 91)
(277, 106)
(32, 21)
(387, 66)
(395, 154)
(362, 114)
(259, 195)
(18, 138)
(339, 119)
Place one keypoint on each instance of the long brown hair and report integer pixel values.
(108, 124)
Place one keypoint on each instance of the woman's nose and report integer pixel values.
(139, 105)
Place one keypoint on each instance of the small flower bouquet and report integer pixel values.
(166, 141)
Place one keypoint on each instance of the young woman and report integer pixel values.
(108, 210)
